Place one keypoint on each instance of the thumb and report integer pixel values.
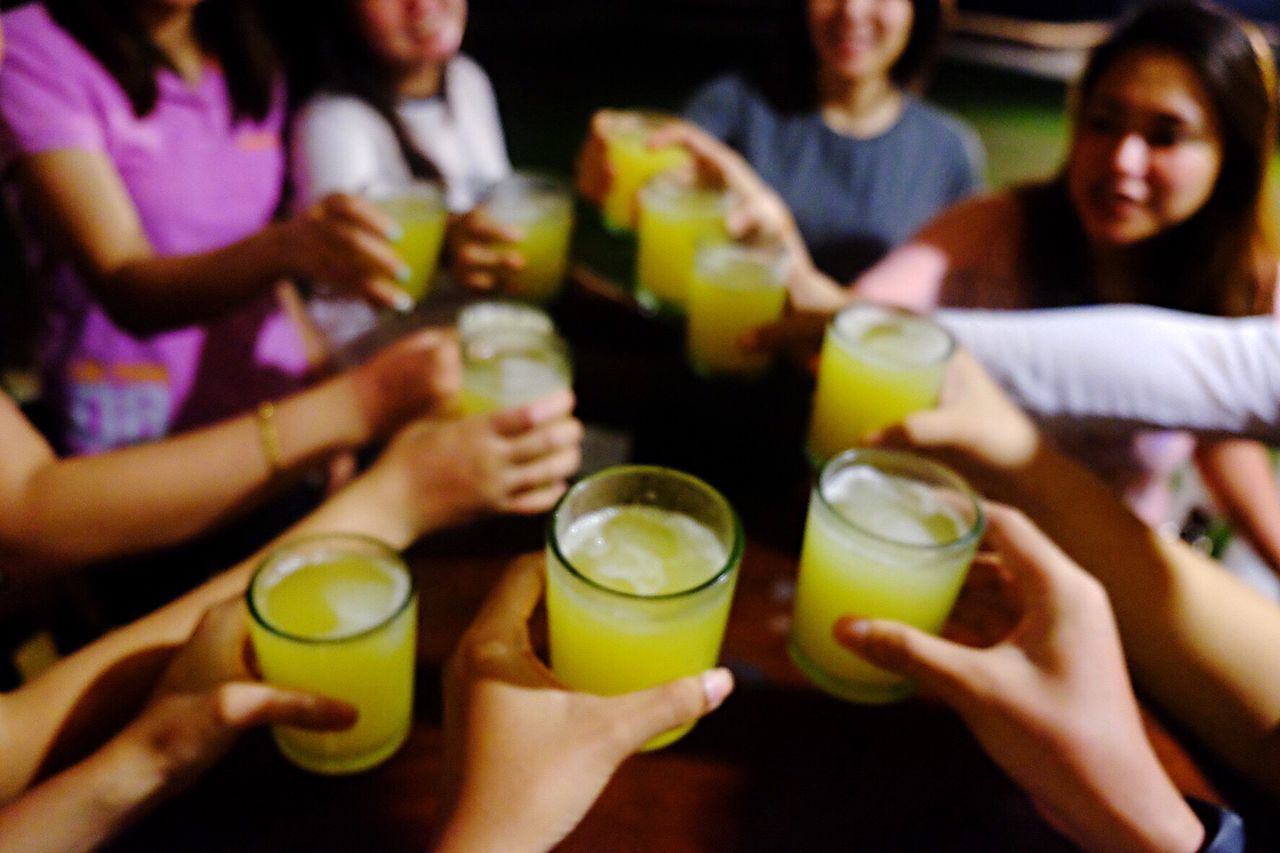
(243, 704)
(641, 716)
(943, 666)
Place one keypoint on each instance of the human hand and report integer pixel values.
(207, 697)
(976, 428)
(594, 174)
(445, 471)
(342, 240)
(797, 336)
(481, 256)
(525, 758)
(1051, 703)
(417, 375)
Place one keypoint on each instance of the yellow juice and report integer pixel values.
(419, 210)
(342, 626)
(541, 209)
(734, 289)
(877, 366)
(633, 163)
(616, 644)
(884, 545)
(511, 355)
(673, 220)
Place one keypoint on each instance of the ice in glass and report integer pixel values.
(641, 568)
(735, 288)
(511, 355)
(878, 365)
(889, 535)
(337, 615)
(541, 209)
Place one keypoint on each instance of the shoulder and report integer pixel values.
(344, 115)
(465, 74)
(980, 220)
(725, 106)
(38, 50)
(53, 93)
(338, 143)
(728, 91)
(943, 127)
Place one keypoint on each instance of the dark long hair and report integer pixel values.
(1217, 261)
(334, 56)
(229, 30)
(789, 80)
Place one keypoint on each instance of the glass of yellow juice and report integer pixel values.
(674, 216)
(511, 355)
(419, 211)
(889, 535)
(337, 615)
(633, 163)
(878, 365)
(540, 208)
(641, 567)
(735, 288)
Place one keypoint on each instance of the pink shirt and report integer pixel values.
(199, 181)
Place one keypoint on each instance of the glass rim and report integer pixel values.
(280, 551)
(415, 188)
(733, 559)
(896, 313)
(666, 190)
(951, 478)
(530, 183)
(640, 121)
(772, 255)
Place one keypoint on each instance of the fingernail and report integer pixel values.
(403, 274)
(857, 628)
(402, 302)
(716, 685)
(394, 231)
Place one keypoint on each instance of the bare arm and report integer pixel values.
(1240, 475)
(1201, 643)
(432, 475)
(68, 512)
(84, 210)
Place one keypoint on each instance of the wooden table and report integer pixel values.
(779, 767)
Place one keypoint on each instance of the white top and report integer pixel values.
(1123, 366)
(340, 143)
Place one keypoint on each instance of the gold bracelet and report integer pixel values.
(269, 436)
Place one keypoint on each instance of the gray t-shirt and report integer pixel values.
(853, 199)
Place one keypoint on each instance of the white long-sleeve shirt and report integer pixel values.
(1133, 366)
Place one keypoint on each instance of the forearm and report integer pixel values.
(152, 294)
(1239, 475)
(1201, 644)
(1132, 365)
(77, 510)
(80, 699)
(84, 806)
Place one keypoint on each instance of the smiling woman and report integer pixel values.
(1161, 202)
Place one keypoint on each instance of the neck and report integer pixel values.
(860, 108)
(174, 32)
(1114, 270)
(421, 82)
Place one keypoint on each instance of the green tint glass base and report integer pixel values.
(850, 691)
(336, 765)
(667, 738)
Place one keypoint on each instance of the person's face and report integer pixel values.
(1147, 150)
(860, 39)
(408, 33)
